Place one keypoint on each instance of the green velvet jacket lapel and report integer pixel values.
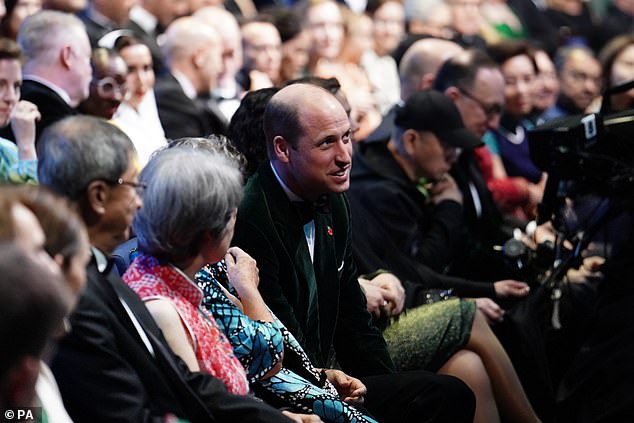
(318, 278)
(289, 227)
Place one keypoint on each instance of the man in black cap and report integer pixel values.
(401, 188)
(412, 170)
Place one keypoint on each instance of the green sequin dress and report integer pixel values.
(425, 337)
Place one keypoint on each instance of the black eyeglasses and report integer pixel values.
(139, 187)
(489, 110)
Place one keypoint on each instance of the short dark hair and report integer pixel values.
(287, 20)
(281, 119)
(78, 150)
(246, 128)
(125, 41)
(507, 49)
(331, 85)
(373, 5)
(563, 54)
(461, 70)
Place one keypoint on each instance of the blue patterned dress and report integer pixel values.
(257, 346)
(12, 169)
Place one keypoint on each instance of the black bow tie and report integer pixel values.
(307, 209)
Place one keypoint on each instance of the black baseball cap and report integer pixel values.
(434, 112)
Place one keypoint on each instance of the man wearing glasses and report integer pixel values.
(115, 352)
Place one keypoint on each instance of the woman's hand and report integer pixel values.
(242, 271)
(302, 418)
(243, 274)
(349, 388)
(23, 119)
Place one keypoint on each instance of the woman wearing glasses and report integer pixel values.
(108, 86)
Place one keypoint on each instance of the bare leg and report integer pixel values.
(468, 366)
(509, 394)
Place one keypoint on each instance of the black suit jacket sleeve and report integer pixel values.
(107, 374)
(90, 364)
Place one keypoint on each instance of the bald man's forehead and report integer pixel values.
(320, 107)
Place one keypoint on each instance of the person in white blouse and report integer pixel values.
(137, 116)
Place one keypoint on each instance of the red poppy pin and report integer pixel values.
(329, 231)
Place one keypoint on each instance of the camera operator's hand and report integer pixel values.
(493, 312)
(445, 189)
(510, 289)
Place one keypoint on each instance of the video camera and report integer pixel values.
(589, 160)
(586, 154)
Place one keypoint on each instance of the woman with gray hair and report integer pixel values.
(187, 222)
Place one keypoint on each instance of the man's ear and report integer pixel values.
(453, 93)
(409, 139)
(426, 82)
(198, 58)
(281, 147)
(65, 54)
(96, 197)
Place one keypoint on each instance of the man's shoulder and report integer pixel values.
(33, 90)
(260, 203)
(167, 85)
(376, 169)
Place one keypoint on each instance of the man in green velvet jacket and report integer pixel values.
(295, 221)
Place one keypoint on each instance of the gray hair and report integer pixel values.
(215, 143)
(190, 192)
(42, 34)
(418, 10)
(78, 150)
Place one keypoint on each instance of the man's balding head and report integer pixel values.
(283, 114)
(228, 29)
(186, 35)
(194, 49)
(421, 62)
(309, 140)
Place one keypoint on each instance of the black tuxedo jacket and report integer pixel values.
(182, 116)
(321, 303)
(51, 106)
(106, 373)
